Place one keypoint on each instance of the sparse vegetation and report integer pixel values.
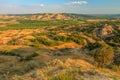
(31, 65)
(64, 76)
(59, 49)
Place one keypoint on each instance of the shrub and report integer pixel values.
(28, 57)
(65, 76)
(115, 67)
(34, 74)
(92, 72)
(5, 51)
(29, 66)
(62, 38)
(92, 46)
(13, 42)
(75, 37)
(34, 54)
(117, 59)
(43, 41)
(104, 56)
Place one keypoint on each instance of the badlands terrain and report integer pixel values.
(59, 47)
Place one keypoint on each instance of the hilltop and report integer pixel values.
(46, 16)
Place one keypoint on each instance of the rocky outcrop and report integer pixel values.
(104, 32)
(107, 30)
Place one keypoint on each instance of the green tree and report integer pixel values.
(104, 56)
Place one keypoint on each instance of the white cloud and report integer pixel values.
(37, 5)
(78, 2)
(42, 5)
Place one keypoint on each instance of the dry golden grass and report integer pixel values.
(65, 45)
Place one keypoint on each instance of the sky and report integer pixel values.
(60, 6)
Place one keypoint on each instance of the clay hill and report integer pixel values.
(46, 16)
(50, 17)
(105, 31)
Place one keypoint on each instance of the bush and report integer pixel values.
(29, 66)
(13, 42)
(117, 59)
(114, 67)
(43, 41)
(104, 56)
(28, 57)
(75, 37)
(62, 38)
(92, 46)
(34, 74)
(65, 76)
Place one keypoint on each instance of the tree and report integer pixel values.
(104, 56)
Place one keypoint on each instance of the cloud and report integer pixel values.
(42, 5)
(78, 3)
(37, 5)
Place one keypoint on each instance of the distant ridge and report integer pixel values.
(58, 16)
(45, 16)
